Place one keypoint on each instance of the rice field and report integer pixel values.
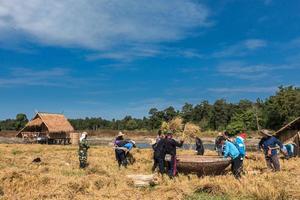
(58, 177)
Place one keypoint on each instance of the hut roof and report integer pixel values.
(35, 122)
(288, 132)
(54, 123)
(292, 125)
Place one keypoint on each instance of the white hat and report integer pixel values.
(85, 133)
(83, 136)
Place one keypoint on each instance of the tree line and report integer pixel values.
(271, 113)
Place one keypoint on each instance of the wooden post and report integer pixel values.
(297, 141)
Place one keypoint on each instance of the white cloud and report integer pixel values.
(52, 77)
(251, 89)
(240, 49)
(29, 77)
(253, 44)
(242, 70)
(101, 24)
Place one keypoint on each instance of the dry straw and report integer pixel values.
(187, 131)
(176, 125)
(191, 130)
(60, 174)
(164, 127)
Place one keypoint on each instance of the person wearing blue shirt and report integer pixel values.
(270, 145)
(290, 150)
(240, 145)
(231, 151)
(128, 146)
(122, 152)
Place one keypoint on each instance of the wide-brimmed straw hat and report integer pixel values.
(266, 132)
(121, 134)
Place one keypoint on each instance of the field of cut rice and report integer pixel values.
(57, 176)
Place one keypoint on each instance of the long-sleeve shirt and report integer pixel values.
(83, 147)
(128, 146)
(270, 142)
(240, 144)
(230, 150)
(199, 146)
(171, 145)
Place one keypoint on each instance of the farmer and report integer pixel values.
(128, 156)
(231, 151)
(123, 152)
(270, 144)
(290, 150)
(159, 153)
(218, 145)
(83, 148)
(119, 138)
(199, 146)
(170, 156)
(240, 145)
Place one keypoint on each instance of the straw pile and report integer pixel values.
(187, 131)
(164, 127)
(176, 125)
(191, 130)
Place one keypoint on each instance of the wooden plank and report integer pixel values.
(140, 180)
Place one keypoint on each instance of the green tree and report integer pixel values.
(170, 113)
(131, 124)
(21, 120)
(202, 114)
(187, 112)
(283, 107)
(220, 114)
(155, 118)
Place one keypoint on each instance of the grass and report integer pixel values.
(205, 196)
(16, 152)
(58, 177)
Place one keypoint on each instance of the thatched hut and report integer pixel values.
(290, 133)
(53, 128)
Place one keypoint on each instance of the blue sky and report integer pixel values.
(112, 58)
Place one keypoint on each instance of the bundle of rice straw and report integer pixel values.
(164, 127)
(191, 130)
(176, 125)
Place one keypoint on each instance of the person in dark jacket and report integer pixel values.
(218, 145)
(159, 153)
(199, 146)
(170, 156)
(270, 144)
